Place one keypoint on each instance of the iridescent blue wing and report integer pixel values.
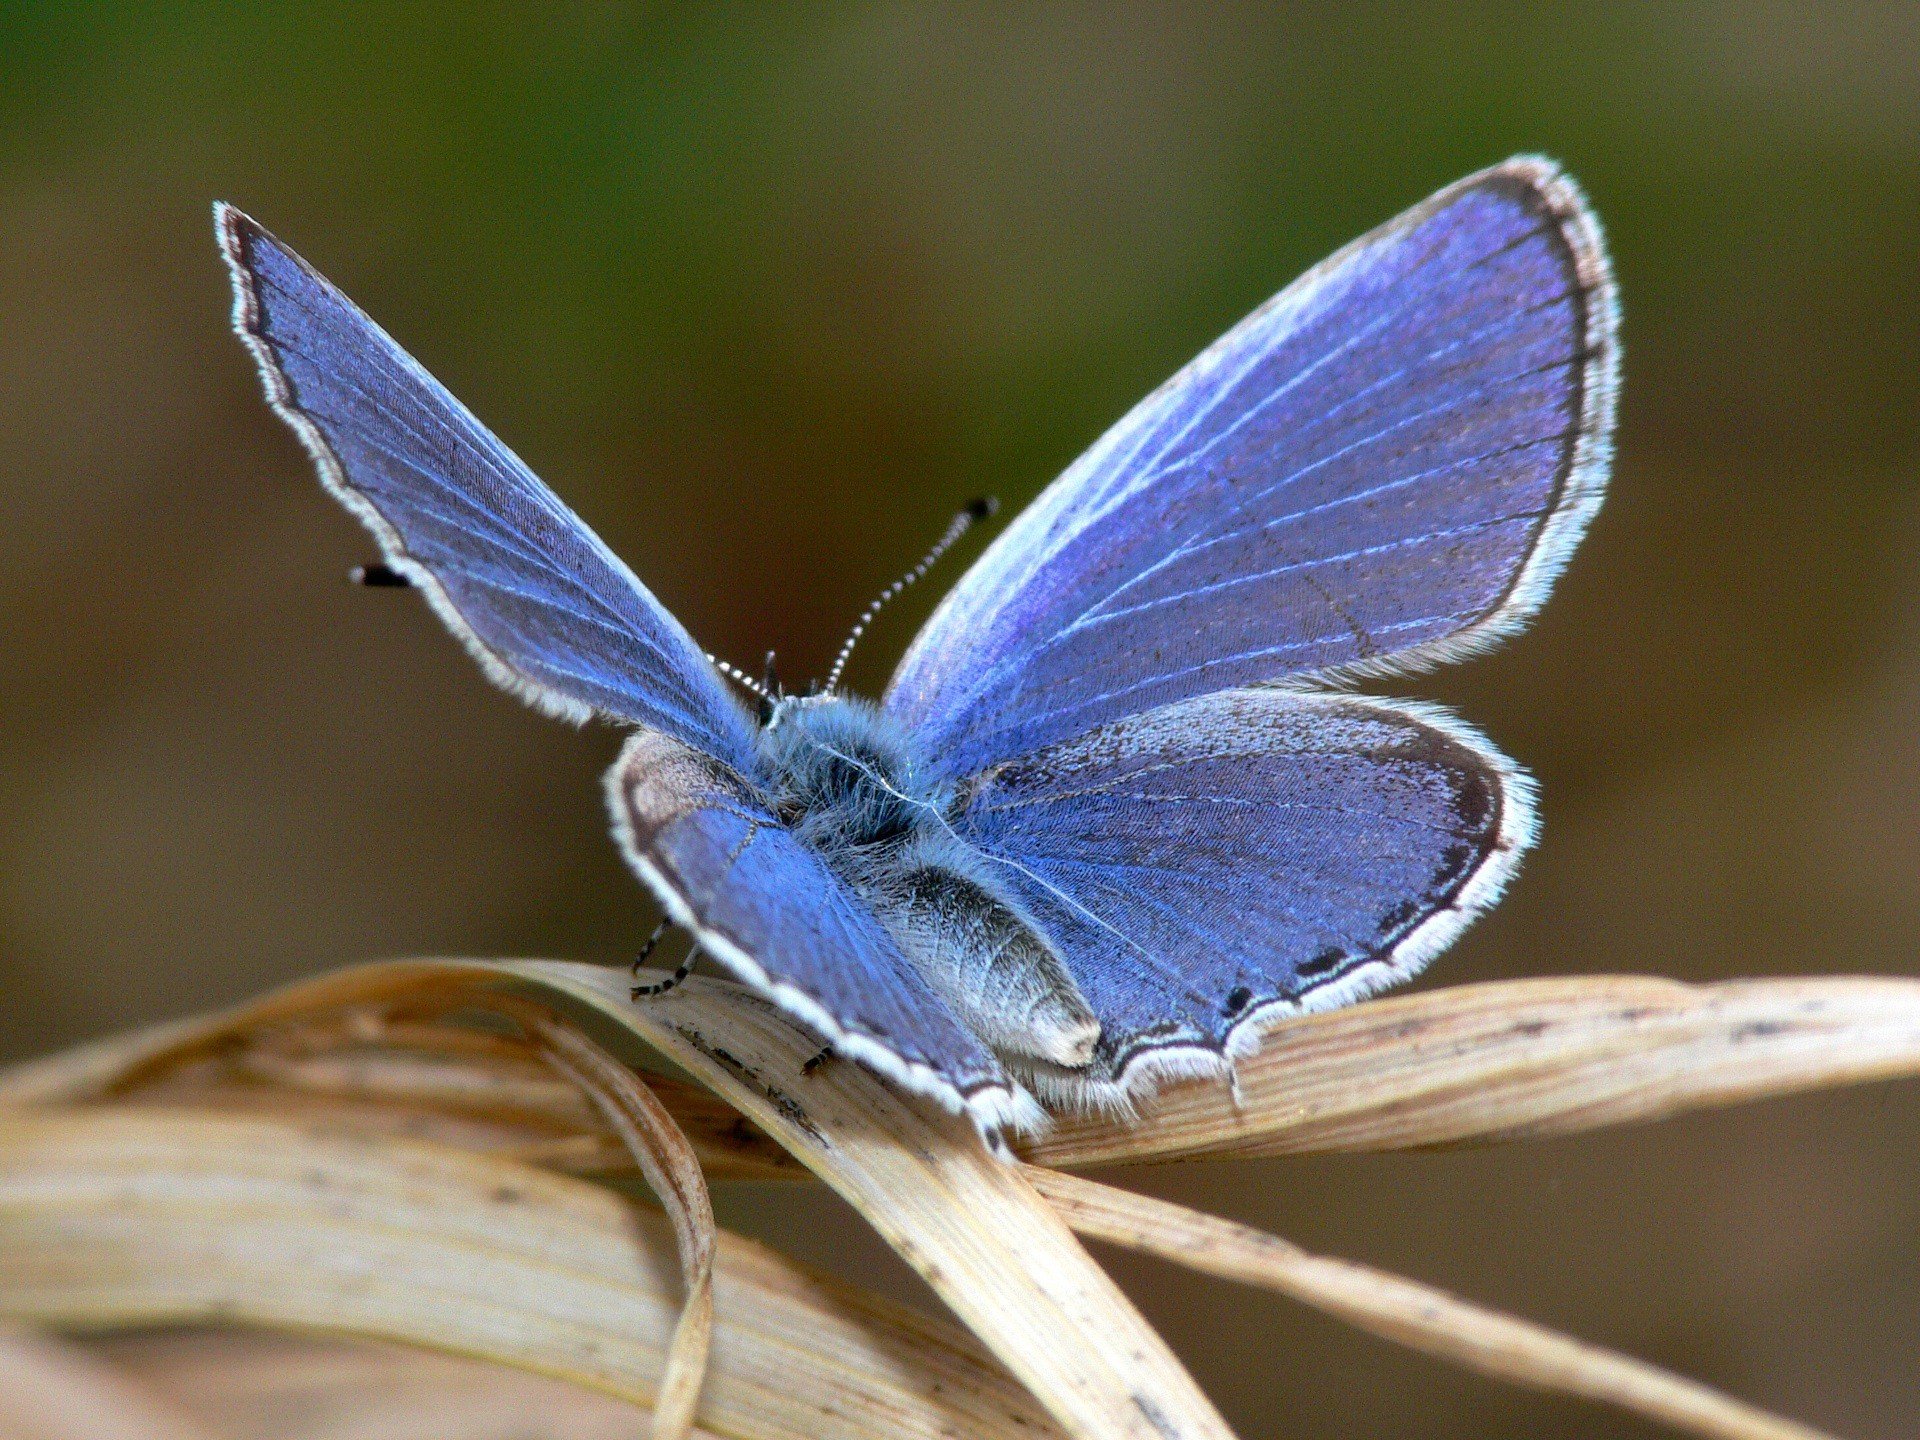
(766, 907)
(548, 611)
(1245, 854)
(1383, 467)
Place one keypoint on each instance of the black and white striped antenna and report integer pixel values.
(963, 522)
(740, 677)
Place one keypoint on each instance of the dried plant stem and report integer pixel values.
(672, 1171)
(266, 1385)
(1483, 1062)
(1516, 1059)
(1405, 1311)
(504, 1084)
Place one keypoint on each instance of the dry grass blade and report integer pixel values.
(50, 1390)
(1406, 1311)
(992, 1248)
(257, 1385)
(1471, 1063)
(115, 1216)
(672, 1171)
(298, 1052)
(1518, 1059)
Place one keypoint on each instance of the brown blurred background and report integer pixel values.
(768, 293)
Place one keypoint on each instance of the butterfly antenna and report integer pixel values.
(378, 576)
(739, 677)
(961, 523)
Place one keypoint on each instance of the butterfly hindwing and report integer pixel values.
(1382, 467)
(545, 607)
(1210, 864)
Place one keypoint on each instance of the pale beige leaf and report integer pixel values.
(478, 1101)
(456, 1096)
(116, 1216)
(1466, 1064)
(1406, 1311)
(1518, 1059)
(50, 1390)
(201, 1086)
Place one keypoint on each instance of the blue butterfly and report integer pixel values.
(1117, 810)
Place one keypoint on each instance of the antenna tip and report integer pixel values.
(378, 575)
(983, 507)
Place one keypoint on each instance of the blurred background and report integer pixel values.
(767, 293)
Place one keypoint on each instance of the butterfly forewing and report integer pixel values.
(545, 607)
(554, 615)
(1381, 467)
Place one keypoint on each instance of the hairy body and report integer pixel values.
(842, 776)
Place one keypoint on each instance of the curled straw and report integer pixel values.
(672, 1171)
(370, 1054)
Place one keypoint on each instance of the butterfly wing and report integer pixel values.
(767, 908)
(548, 611)
(552, 614)
(1383, 467)
(1216, 862)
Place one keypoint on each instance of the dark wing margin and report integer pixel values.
(1208, 867)
(771, 912)
(1383, 468)
(547, 610)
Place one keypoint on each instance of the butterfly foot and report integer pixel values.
(646, 950)
(680, 973)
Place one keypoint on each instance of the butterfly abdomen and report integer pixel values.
(983, 957)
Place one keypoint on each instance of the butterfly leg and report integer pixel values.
(825, 1054)
(647, 949)
(680, 973)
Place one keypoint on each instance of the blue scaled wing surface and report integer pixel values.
(545, 607)
(1135, 690)
(554, 616)
(1383, 467)
(1213, 863)
(768, 908)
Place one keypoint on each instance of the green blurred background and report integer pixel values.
(768, 292)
